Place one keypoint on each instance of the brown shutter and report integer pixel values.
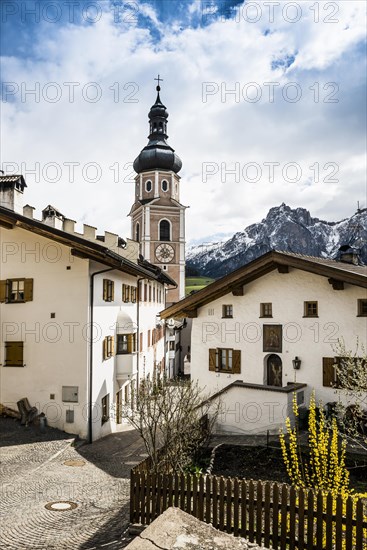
(236, 361)
(112, 283)
(130, 343)
(112, 346)
(105, 289)
(28, 290)
(328, 372)
(3, 288)
(14, 354)
(212, 356)
(105, 348)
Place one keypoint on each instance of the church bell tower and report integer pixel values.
(157, 216)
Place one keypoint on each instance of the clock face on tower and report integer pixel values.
(164, 253)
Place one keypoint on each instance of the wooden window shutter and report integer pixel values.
(14, 354)
(105, 350)
(112, 349)
(212, 358)
(28, 290)
(3, 290)
(328, 372)
(105, 283)
(130, 343)
(112, 290)
(236, 361)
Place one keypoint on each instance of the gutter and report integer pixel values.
(90, 393)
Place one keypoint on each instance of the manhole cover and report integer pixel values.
(61, 505)
(77, 463)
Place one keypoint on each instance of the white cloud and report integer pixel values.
(122, 61)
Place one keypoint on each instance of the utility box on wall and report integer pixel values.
(70, 394)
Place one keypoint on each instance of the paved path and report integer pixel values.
(33, 474)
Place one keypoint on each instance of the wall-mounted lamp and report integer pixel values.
(296, 363)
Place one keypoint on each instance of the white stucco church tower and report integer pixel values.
(157, 216)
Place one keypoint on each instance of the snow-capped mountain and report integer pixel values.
(285, 229)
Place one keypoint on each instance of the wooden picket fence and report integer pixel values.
(271, 514)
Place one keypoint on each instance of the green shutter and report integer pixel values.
(28, 290)
(212, 356)
(14, 354)
(236, 358)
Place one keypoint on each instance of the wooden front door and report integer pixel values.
(274, 370)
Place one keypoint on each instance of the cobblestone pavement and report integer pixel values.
(95, 478)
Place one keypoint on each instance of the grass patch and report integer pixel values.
(197, 283)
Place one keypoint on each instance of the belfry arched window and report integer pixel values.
(137, 232)
(164, 230)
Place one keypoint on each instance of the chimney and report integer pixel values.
(111, 240)
(348, 255)
(89, 232)
(69, 225)
(52, 217)
(28, 211)
(11, 192)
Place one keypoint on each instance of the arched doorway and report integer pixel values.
(274, 370)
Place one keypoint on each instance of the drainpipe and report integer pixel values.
(138, 329)
(91, 304)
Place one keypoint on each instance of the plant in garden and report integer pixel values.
(173, 421)
(325, 468)
(351, 376)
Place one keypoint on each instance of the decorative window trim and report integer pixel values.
(167, 186)
(150, 184)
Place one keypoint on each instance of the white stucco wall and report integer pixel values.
(310, 339)
(55, 349)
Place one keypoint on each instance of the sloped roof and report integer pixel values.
(83, 248)
(338, 272)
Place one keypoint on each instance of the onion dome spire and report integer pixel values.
(158, 154)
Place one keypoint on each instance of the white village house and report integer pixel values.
(78, 311)
(268, 330)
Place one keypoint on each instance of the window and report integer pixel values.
(164, 230)
(266, 310)
(362, 308)
(141, 341)
(310, 309)
(153, 293)
(164, 186)
(14, 354)
(108, 290)
(149, 342)
(137, 232)
(105, 402)
(14, 291)
(225, 360)
(133, 294)
(227, 311)
(126, 293)
(126, 343)
(145, 292)
(108, 347)
(148, 186)
(150, 293)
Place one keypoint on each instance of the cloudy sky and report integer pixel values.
(266, 101)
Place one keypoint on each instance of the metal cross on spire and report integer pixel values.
(159, 80)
